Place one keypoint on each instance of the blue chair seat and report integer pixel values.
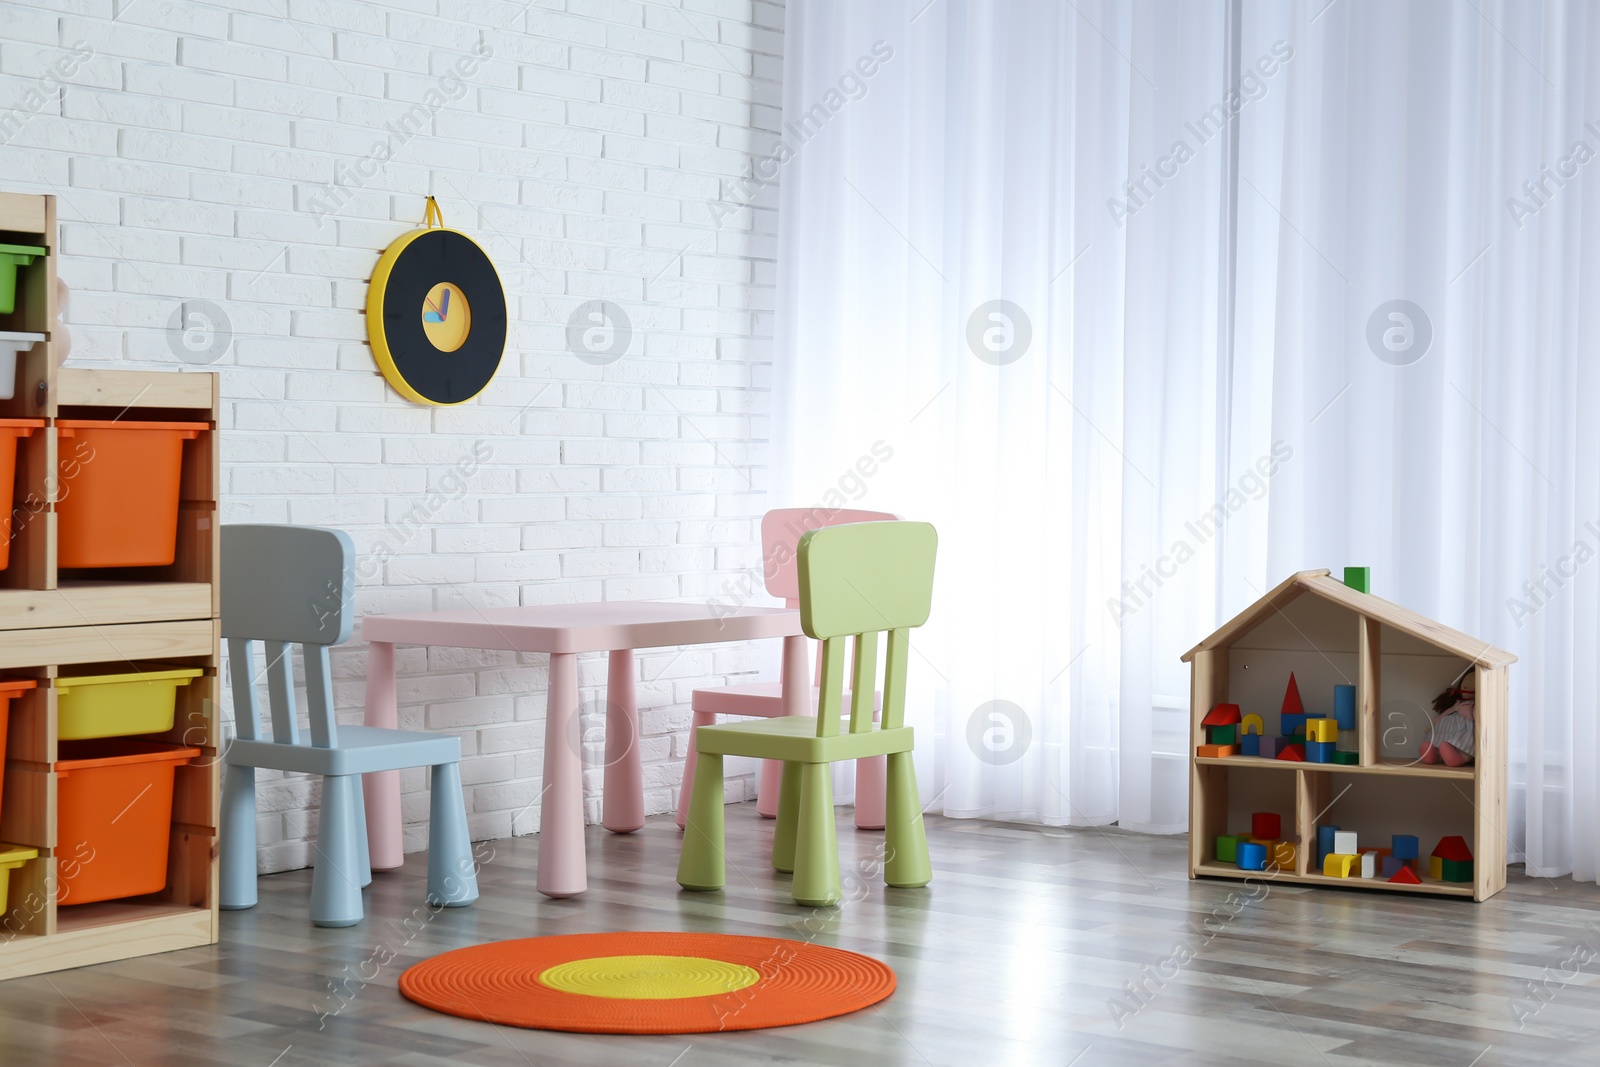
(362, 750)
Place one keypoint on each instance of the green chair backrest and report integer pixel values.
(857, 581)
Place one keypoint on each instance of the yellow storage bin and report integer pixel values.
(119, 705)
(11, 857)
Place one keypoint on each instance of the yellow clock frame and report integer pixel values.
(407, 272)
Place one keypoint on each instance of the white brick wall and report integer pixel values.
(191, 144)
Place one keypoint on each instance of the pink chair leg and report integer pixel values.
(561, 861)
(690, 761)
(623, 802)
(796, 701)
(872, 778)
(381, 791)
(769, 782)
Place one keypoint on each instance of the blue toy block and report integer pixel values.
(1271, 746)
(1404, 847)
(1391, 864)
(1252, 857)
(1324, 843)
(1344, 706)
(1319, 751)
(1289, 725)
(1250, 745)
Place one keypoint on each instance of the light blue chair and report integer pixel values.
(284, 585)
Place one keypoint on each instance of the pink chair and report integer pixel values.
(781, 530)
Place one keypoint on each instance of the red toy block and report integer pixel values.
(1291, 699)
(1221, 715)
(1453, 848)
(1405, 876)
(1293, 753)
(1267, 825)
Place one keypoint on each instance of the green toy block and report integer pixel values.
(1358, 578)
(1348, 759)
(1456, 870)
(1227, 849)
(1222, 735)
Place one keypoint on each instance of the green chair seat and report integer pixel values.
(794, 738)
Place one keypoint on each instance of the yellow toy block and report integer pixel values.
(1338, 865)
(1436, 868)
(1322, 729)
(1252, 720)
(1282, 855)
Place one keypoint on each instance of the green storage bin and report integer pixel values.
(12, 257)
(119, 705)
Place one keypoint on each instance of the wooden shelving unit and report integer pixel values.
(1327, 633)
(52, 619)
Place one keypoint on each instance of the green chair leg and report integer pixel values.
(906, 865)
(788, 819)
(816, 861)
(701, 864)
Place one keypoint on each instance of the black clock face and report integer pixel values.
(437, 317)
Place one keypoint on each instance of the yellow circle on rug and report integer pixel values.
(649, 977)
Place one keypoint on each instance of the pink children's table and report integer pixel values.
(563, 631)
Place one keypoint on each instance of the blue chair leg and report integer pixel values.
(452, 879)
(336, 877)
(363, 854)
(238, 859)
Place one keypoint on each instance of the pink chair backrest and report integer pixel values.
(781, 530)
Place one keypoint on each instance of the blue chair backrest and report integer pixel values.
(284, 585)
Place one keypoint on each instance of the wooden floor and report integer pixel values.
(1026, 949)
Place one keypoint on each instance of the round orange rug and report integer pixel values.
(648, 983)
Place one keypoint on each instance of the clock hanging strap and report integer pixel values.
(432, 216)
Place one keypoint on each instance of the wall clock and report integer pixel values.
(436, 314)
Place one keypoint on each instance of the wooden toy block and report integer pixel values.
(1405, 876)
(1250, 745)
(1322, 730)
(1455, 870)
(1337, 865)
(1214, 751)
(1291, 699)
(1293, 753)
(1358, 578)
(1404, 846)
(1344, 706)
(1267, 824)
(1436, 868)
(1344, 841)
(1221, 735)
(1325, 842)
(1252, 857)
(1252, 720)
(1292, 725)
(1392, 864)
(1347, 759)
(1271, 746)
(1220, 723)
(1369, 864)
(1227, 849)
(1283, 855)
(1319, 751)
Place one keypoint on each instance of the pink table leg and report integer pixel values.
(690, 761)
(796, 701)
(385, 842)
(561, 860)
(623, 803)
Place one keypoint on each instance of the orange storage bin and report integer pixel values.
(9, 688)
(114, 813)
(11, 431)
(118, 502)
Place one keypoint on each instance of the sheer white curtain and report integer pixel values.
(1441, 154)
(937, 158)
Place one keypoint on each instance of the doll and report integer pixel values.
(1452, 739)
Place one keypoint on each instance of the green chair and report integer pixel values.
(856, 581)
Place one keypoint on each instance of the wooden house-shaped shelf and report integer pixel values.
(1327, 633)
